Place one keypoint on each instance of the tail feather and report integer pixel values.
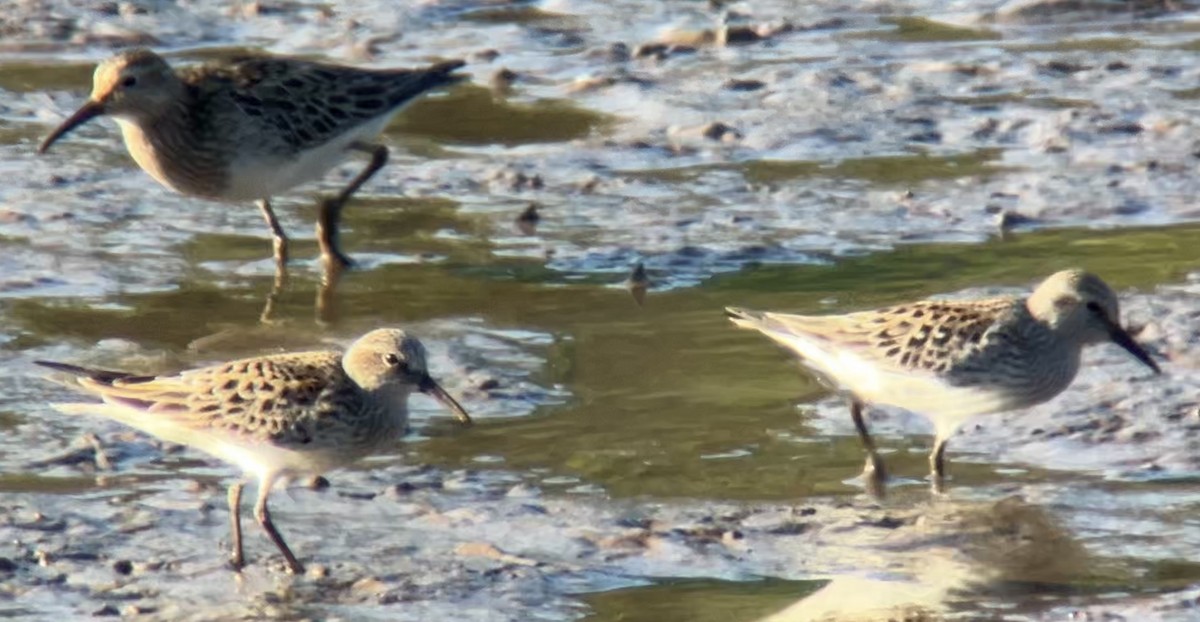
(444, 68)
(101, 376)
(744, 318)
(441, 74)
(795, 332)
(407, 84)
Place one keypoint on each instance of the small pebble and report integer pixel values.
(789, 529)
(369, 585)
(618, 52)
(720, 131)
(1006, 220)
(654, 50)
(489, 384)
(485, 56)
(528, 219)
(503, 78)
(744, 85)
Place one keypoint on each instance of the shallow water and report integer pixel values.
(632, 461)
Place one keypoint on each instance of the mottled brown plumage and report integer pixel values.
(277, 417)
(250, 127)
(951, 360)
(926, 335)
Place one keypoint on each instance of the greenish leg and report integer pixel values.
(331, 209)
(937, 465)
(874, 473)
(235, 523)
(263, 516)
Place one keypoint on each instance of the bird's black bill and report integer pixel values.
(1122, 338)
(85, 113)
(431, 388)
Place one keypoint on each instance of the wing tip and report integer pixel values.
(89, 376)
(443, 73)
(63, 367)
(744, 318)
(448, 66)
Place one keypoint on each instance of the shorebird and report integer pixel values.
(249, 128)
(952, 360)
(278, 417)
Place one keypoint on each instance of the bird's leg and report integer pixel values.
(326, 313)
(937, 465)
(236, 559)
(331, 209)
(263, 516)
(279, 238)
(873, 472)
(281, 256)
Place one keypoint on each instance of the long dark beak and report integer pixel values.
(1122, 338)
(87, 112)
(431, 388)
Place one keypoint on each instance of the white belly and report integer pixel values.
(927, 394)
(255, 176)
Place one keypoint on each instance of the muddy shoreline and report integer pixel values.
(632, 459)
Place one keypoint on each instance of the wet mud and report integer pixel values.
(562, 233)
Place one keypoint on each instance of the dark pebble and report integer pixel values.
(1009, 219)
(745, 85)
(489, 384)
(789, 529)
(528, 219)
(657, 50)
(718, 131)
(486, 56)
(1122, 128)
(618, 52)
(504, 78)
(1063, 67)
(887, 522)
(106, 611)
(401, 489)
(931, 137)
(741, 34)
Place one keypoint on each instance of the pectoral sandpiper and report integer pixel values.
(952, 360)
(278, 417)
(249, 128)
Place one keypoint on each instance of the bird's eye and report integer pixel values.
(1094, 307)
(129, 81)
(391, 360)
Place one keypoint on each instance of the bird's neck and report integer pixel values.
(392, 394)
(164, 143)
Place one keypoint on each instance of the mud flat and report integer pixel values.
(633, 461)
